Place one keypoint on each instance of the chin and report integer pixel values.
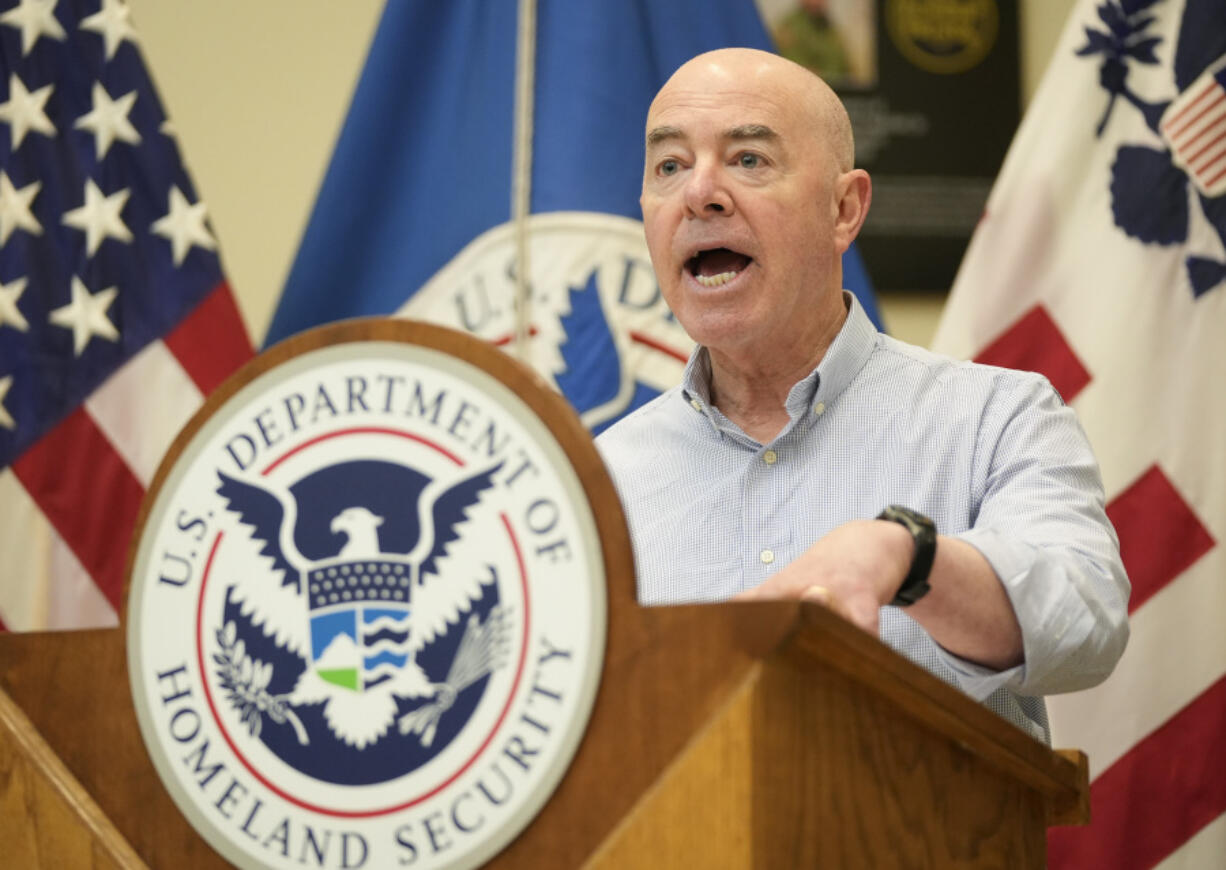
(724, 330)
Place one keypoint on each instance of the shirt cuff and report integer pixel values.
(1038, 585)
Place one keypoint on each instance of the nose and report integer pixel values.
(706, 192)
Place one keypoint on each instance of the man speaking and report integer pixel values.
(955, 509)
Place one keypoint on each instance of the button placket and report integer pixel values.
(765, 543)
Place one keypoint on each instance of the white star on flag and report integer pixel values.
(184, 226)
(99, 217)
(15, 208)
(86, 316)
(9, 313)
(111, 22)
(100, 377)
(24, 110)
(34, 18)
(6, 419)
(108, 120)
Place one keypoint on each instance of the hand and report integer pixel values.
(854, 570)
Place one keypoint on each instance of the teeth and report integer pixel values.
(715, 280)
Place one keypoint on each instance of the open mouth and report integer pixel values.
(716, 267)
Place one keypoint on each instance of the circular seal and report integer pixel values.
(943, 36)
(600, 330)
(366, 608)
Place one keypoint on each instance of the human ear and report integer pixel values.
(853, 191)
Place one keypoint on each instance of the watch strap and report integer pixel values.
(924, 534)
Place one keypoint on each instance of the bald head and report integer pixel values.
(775, 80)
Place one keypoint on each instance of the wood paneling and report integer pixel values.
(46, 818)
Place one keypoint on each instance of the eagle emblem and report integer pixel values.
(370, 622)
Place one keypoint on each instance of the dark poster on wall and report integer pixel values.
(933, 90)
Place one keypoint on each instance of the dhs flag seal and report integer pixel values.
(366, 608)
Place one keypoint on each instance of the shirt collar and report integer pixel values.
(842, 361)
(847, 354)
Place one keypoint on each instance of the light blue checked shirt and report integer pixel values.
(993, 456)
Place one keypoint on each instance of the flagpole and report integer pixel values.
(521, 180)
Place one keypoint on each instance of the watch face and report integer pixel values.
(914, 521)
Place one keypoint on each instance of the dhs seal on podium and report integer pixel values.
(366, 609)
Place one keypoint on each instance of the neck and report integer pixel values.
(750, 386)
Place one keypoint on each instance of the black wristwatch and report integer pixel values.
(924, 533)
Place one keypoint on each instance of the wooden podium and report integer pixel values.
(763, 735)
(735, 735)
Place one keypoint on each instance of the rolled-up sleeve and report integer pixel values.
(1041, 523)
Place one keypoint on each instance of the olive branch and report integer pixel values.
(246, 683)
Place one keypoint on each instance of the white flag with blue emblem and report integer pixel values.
(486, 134)
(1101, 262)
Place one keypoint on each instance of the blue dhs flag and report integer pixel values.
(416, 215)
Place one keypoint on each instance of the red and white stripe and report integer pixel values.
(1050, 282)
(68, 505)
(1194, 125)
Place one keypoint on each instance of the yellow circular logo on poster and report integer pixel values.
(943, 36)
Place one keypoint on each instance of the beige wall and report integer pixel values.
(257, 90)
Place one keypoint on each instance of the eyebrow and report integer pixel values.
(738, 133)
(663, 134)
(752, 131)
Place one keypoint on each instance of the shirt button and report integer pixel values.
(767, 556)
(697, 404)
(770, 457)
(819, 408)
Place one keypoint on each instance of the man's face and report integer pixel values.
(739, 206)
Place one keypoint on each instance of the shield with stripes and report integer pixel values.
(359, 615)
(1194, 126)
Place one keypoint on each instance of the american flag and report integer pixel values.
(115, 318)
(1101, 262)
(1195, 129)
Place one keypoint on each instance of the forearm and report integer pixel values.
(858, 567)
(1070, 600)
(1075, 618)
(967, 610)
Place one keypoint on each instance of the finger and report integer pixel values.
(827, 599)
(817, 595)
(857, 612)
